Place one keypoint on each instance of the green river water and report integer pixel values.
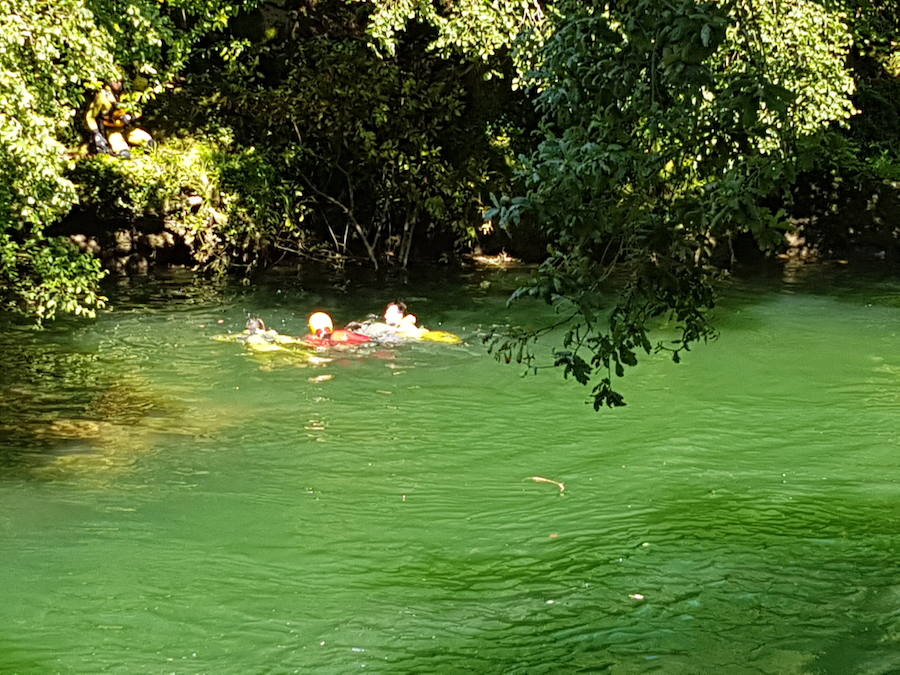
(173, 504)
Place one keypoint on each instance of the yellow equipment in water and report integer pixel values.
(442, 336)
(265, 341)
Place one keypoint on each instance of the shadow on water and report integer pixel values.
(876, 283)
(16, 660)
(72, 401)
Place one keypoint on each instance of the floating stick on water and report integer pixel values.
(541, 479)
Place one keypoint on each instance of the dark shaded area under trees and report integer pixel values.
(321, 148)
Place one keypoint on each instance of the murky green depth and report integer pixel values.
(173, 504)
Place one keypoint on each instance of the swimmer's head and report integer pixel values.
(320, 324)
(255, 324)
(394, 313)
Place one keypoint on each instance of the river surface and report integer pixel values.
(169, 503)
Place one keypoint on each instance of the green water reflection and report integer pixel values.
(173, 504)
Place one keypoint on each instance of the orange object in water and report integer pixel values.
(340, 336)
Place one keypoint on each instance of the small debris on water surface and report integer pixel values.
(541, 479)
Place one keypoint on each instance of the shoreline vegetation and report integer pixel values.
(656, 147)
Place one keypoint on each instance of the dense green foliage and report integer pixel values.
(202, 189)
(51, 55)
(378, 156)
(351, 154)
(668, 131)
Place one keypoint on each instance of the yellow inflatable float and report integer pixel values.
(257, 338)
(441, 336)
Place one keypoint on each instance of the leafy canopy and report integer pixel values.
(665, 131)
(52, 55)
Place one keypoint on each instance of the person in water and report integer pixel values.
(255, 325)
(257, 334)
(257, 337)
(403, 324)
(322, 332)
(394, 325)
(268, 342)
(397, 326)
